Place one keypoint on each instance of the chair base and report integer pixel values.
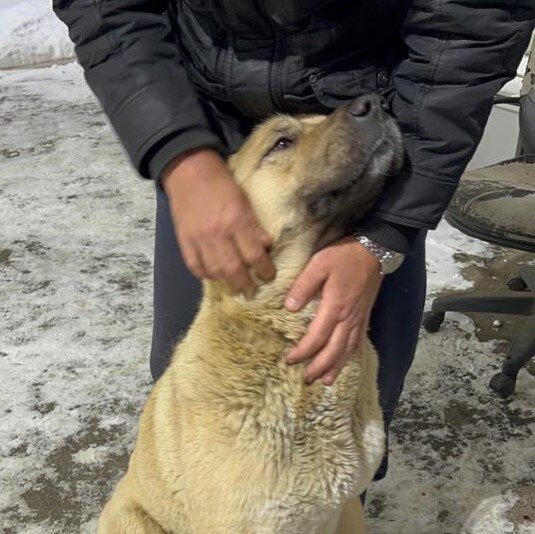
(520, 302)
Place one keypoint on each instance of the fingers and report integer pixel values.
(193, 259)
(218, 232)
(363, 331)
(318, 333)
(333, 309)
(355, 336)
(263, 236)
(332, 357)
(328, 362)
(222, 261)
(308, 283)
(329, 377)
(230, 259)
(252, 247)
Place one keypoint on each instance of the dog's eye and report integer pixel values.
(281, 144)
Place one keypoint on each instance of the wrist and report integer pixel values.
(370, 261)
(189, 166)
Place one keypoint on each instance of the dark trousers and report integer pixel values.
(393, 328)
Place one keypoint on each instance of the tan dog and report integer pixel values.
(232, 440)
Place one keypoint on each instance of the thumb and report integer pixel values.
(265, 238)
(260, 231)
(308, 283)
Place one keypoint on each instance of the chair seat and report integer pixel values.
(497, 204)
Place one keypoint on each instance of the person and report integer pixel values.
(183, 82)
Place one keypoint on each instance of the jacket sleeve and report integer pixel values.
(131, 63)
(460, 53)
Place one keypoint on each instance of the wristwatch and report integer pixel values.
(389, 259)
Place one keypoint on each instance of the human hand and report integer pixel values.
(349, 278)
(218, 233)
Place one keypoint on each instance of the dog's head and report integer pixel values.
(311, 178)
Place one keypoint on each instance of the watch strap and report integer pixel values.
(390, 260)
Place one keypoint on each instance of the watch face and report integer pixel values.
(392, 263)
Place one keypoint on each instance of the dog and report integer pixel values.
(232, 440)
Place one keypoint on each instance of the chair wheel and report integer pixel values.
(432, 321)
(516, 284)
(503, 384)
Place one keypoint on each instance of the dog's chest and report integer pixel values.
(308, 440)
(253, 425)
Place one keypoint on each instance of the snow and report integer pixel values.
(490, 517)
(91, 455)
(75, 278)
(30, 32)
(442, 246)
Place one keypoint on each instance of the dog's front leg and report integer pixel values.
(352, 518)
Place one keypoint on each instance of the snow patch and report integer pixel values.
(88, 528)
(443, 269)
(92, 455)
(30, 32)
(489, 516)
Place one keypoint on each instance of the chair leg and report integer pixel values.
(514, 303)
(527, 273)
(497, 302)
(522, 349)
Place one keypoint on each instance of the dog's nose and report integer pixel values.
(366, 106)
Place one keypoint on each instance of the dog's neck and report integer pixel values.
(265, 311)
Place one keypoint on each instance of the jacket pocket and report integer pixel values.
(333, 87)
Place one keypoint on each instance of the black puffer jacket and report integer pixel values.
(439, 61)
